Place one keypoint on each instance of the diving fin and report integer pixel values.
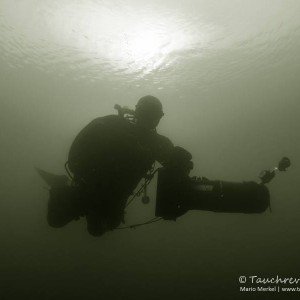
(52, 179)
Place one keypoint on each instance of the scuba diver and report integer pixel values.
(112, 154)
(107, 160)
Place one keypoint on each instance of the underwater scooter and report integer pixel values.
(178, 194)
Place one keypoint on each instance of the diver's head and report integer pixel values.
(148, 112)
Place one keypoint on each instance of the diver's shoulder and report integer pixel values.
(110, 119)
(163, 140)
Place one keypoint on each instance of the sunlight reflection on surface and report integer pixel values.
(99, 37)
(135, 40)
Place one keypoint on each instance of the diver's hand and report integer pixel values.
(180, 160)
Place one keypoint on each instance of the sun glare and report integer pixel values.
(135, 41)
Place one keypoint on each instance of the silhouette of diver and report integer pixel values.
(107, 159)
(110, 156)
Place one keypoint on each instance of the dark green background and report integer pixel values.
(233, 103)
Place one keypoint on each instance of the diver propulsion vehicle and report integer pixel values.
(178, 194)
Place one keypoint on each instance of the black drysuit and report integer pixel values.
(108, 158)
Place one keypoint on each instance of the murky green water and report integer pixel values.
(227, 73)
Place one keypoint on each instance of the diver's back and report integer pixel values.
(96, 142)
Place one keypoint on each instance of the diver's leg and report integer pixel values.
(64, 206)
(96, 224)
(105, 215)
(116, 215)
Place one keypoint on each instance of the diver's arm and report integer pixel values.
(174, 157)
(163, 150)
